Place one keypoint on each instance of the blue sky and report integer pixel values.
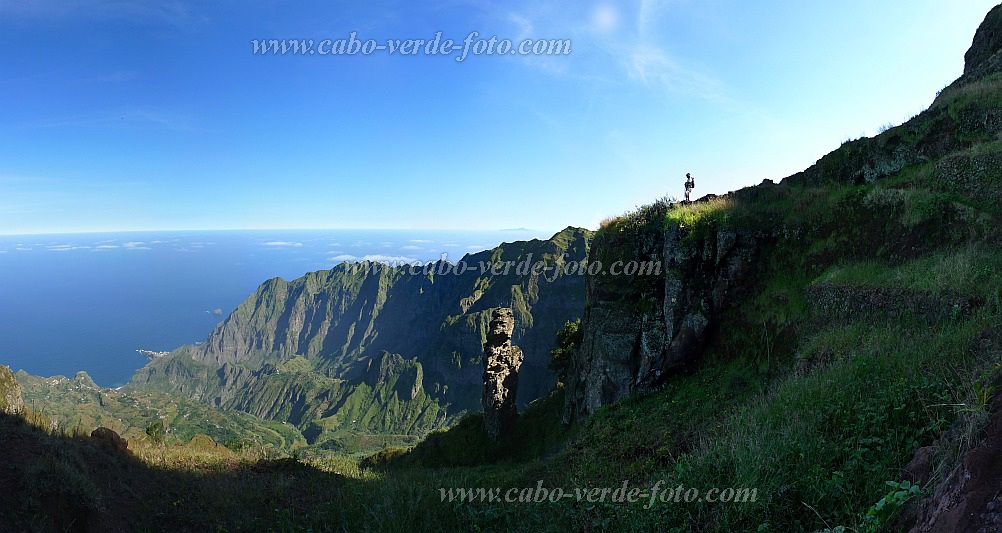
(141, 115)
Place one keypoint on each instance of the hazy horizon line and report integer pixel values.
(99, 232)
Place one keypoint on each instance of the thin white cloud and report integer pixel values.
(136, 246)
(655, 68)
(421, 241)
(378, 258)
(395, 259)
(66, 247)
(288, 244)
(410, 247)
(107, 247)
(616, 41)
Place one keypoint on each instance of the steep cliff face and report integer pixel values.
(405, 377)
(297, 345)
(638, 328)
(987, 42)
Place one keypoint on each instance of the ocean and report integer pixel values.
(90, 301)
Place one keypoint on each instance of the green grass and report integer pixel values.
(537, 432)
(985, 90)
(829, 438)
(965, 270)
(820, 440)
(689, 215)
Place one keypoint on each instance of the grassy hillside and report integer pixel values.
(871, 329)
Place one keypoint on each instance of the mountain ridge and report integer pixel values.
(331, 325)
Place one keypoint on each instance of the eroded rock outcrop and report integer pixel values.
(987, 41)
(968, 498)
(501, 363)
(10, 392)
(110, 438)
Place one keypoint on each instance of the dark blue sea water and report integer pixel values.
(89, 301)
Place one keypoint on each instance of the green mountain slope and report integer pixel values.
(299, 351)
(78, 405)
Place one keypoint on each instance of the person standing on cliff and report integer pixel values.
(690, 182)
